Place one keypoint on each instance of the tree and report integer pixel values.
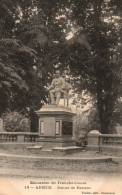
(30, 31)
(36, 37)
(98, 74)
(21, 67)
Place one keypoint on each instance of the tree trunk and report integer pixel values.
(103, 128)
(34, 121)
(100, 104)
(104, 122)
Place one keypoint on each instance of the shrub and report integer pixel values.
(81, 127)
(15, 122)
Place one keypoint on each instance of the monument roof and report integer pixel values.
(53, 109)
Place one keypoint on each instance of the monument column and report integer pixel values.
(56, 122)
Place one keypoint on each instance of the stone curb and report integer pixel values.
(23, 157)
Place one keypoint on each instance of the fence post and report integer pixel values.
(20, 138)
(93, 140)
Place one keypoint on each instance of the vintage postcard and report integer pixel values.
(60, 97)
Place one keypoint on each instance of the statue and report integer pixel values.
(56, 87)
(59, 87)
(65, 89)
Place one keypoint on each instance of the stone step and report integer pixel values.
(67, 150)
(34, 148)
(54, 151)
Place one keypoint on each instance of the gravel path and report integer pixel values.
(16, 176)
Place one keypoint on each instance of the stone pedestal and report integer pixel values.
(1, 125)
(56, 126)
(93, 140)
(20, 138)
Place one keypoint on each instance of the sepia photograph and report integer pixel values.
(60, 97)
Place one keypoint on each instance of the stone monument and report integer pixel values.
(56, 122)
